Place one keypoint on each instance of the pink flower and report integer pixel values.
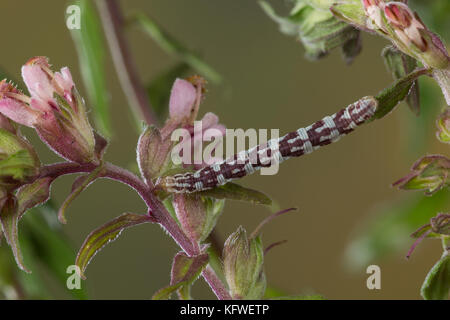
(406, 25)
(55, 109)
(184, 105)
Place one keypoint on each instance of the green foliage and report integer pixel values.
(318, 30)
(173, 47)
(400, 65)
(9, 219)
(388, 229)
(105, 234)
(234, 191)
(46, 250)
(185, 270)
(90, 47)
(437, 282)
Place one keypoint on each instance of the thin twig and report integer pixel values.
(113, 24)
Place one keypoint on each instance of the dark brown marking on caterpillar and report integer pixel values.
(293, 144)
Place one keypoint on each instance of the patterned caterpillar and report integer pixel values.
(293, 144)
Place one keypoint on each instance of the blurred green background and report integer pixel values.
(340, 190)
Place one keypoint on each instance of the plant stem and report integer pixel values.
(216, 285)
(113, 22)
(156, 210)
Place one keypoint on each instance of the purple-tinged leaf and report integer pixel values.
(80, 184)
(197, 215)
(191, 213)
(185, 270)
(234, 191)
(9, 218)
(105, 234)
(152, 153)
(429, 173)
(33, 194)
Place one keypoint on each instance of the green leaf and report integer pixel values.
(90, 47)
(351, 13)
(185, 270)
(159, 88)
(33, 194)
(9, 218)
(319, 31)
(80, 184)
(171, 46)
(393, 95)
(105, 234)
(437, 282)
(234, 191)
(400, 65)
(390, 225)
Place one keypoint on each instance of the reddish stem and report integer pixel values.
(156, 208)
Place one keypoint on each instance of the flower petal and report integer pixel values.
(64, 80)
(37, 82)
(18, 112)
(209, 120)
(182, 98)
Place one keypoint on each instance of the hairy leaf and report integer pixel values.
(400, 65)
(105, 234)
(152, 153)
(9, 218)
(393, 95)
(185, 270)
(33, 194)
(234, 191)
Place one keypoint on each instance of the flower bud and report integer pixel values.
(439, 227)
(55, 109)
(243, 259)
(443, 124)
(441, 224)
(396, 21)
(429, 173)
(18, 160)
(406, 25)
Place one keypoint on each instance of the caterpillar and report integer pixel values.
(294, 144)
